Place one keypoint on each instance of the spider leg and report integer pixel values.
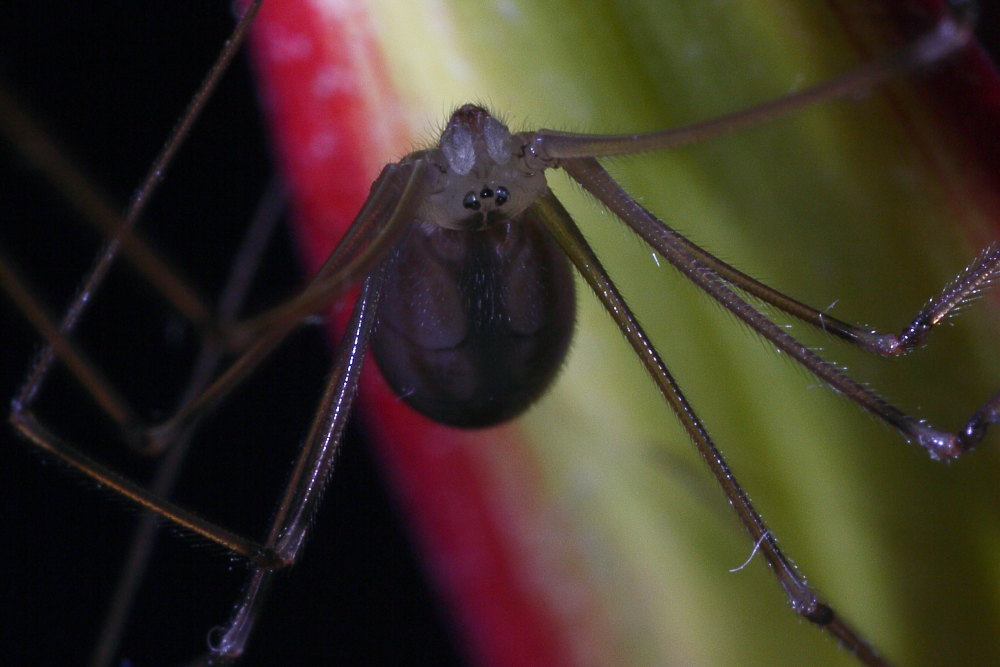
(802, 598)
(939, 444)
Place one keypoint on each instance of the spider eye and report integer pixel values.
(485, 193)
(502, 195)
(471, 201)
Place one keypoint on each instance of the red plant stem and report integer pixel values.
(472, 498)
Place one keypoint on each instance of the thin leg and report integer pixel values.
(293, 519)
(86, 372)
(397, 201)
(382, 221)
(939, 444)
(164, 480)
(351, 260)
(971, 283)
(802, 598)
(138, 203)
(948, 36)
(28, 425)
(59, 170)
(386, 215)
(39, 150)
(377, 227)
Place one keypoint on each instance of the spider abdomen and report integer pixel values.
(473, 326)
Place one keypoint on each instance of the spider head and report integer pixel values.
(483, 178)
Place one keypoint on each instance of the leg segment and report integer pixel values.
(939, 444)
(802, 598)
(293, 518)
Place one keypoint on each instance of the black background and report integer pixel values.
(109, 80)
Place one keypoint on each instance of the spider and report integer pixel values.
(734, 444)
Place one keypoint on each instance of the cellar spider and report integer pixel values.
(736, 581)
